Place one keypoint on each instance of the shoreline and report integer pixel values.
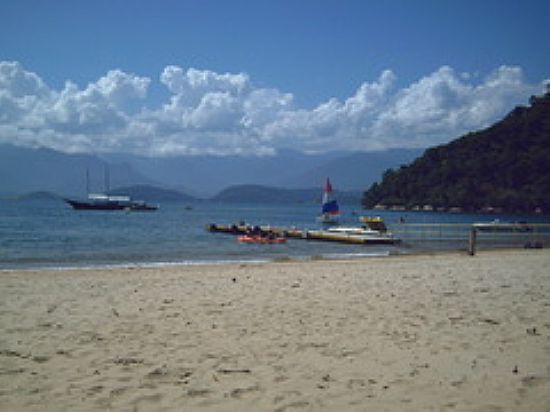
(213, 262)
(337, 257)
(331, 257)
(409, 332)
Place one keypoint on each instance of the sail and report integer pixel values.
(330, 206)
(328, 186)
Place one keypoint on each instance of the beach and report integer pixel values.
(442, 332)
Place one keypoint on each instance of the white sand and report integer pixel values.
(441, 333)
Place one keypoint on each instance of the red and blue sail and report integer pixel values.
(330, 206)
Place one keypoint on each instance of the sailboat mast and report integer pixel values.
(327, 191)
(87, 182)
(107, 179)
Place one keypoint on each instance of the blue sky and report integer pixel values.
(164, 77)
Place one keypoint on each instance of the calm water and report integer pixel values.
(41, 234)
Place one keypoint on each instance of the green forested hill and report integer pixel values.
(505, 166)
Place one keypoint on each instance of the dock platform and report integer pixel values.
(314, 235)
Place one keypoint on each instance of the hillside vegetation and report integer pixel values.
(505, 167)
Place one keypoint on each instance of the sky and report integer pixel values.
(161, 78)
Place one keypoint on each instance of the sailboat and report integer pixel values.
(330, 211)
(103, 201)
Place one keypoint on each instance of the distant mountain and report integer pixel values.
(504, 167)
(39, 196)
(354, 171)
(25, 170)
(151, 193)
(266, 194)
(207, 175)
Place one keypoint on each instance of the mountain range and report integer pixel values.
(269, 194)
(24, 170)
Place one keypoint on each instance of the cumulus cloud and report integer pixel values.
(20, 83)
(443, 105)
(209, 112)
(194, 82)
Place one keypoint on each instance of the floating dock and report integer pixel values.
(316, 235)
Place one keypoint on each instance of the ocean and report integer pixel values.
(39, 234)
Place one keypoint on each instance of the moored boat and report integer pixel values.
(374, 223)
(103, 201)
(350, 238)
(352, 230)
(109, 203)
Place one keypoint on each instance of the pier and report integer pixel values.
(422, 236)
(304, 234)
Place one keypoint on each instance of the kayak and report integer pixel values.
(260, 239)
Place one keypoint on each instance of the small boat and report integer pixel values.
(141, 206)
(261, 239)
(330, 211)
(352, 230)
(350, 238)
(374, 223)
(371, 227)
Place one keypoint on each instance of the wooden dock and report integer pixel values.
(314, 235)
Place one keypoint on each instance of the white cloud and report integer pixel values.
(443, 105)
(216, 111)
(118, 87)
(190, 87)
(91, 119)
(209, 112)
(19, 83)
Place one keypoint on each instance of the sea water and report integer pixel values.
(49, 234)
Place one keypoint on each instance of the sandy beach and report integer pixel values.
(445, 332)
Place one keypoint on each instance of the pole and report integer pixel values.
(472, 246)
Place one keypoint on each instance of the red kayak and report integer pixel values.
(260, 239)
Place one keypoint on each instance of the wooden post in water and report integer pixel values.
(473, 236)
